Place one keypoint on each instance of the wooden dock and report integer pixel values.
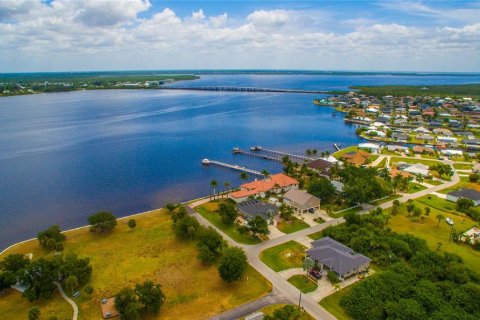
(208, 162)
(255, 154)
(290, 155)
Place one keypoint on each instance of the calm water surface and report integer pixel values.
(64, 156)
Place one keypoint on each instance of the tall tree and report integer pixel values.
(233, 264)
(258, 225)
(151, 296)
(214, 185)
(243, 176)
(127, 304)
(34, 313)
(227, 212)
(50, 237)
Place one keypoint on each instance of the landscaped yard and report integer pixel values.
(209, 212)
(150, 251)
(435, 233)
(285, 256)
(303, 283)
(291, 226)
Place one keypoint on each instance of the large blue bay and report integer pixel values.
(64, 156)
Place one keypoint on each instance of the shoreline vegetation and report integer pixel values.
(23, 84)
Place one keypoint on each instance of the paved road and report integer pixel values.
(72, 303)
(244, 310)
(282, 286)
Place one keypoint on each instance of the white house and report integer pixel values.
(447, 139)
(422, 130)
(417, 168)
(451, 152)
(368, 145)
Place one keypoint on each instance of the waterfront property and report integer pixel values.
(322, 166)
(469, 194)
(301, 201)
(331, 255)
(251, 208)
(356, 158)
(274, 184)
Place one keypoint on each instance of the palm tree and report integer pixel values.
(327, 153)
(213, 184)
(265, 173)
(440, 217)
(314, 152)
(226, 185)
(244, 176)
(308, 152)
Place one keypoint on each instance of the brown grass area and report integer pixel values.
(151, 251)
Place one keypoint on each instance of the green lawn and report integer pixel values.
(462, 166)
(285, 256)
(435, 233)
(390, 198)
(433, 182)
(209, 212)
(341, 214)
(382, 163)
(415, 187)
(346, 150)
(149, 252)
(303, 283)
(373, 157)
(395, 160)
(291, 226)
(332, 303)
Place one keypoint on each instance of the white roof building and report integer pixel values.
(421, 129)
(447, 139)
(369, 145)
(450, 152)
(417, 168)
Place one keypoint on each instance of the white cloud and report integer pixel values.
(67, 31)
(273, 18)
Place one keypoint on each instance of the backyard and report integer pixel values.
(150, 251)
(285, 256)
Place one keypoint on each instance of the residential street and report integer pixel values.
(284, 288)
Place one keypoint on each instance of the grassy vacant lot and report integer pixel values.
(14, 306)
(271, 308)
(462, 166)
(209, 212)
(150, 251)
(291, 226)
(435, 233)
(382, 163)
(415, 187)
(346, 150)
(303, 283)
(285, 256)
(395, 160)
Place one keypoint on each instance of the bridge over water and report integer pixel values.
(243, 89)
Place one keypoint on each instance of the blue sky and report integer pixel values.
(63, 35)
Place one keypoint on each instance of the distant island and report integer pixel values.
(21, 84)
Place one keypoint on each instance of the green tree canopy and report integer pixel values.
(102, 221)
(258, 225)
(50, 237)
(227, 212)
(322, 188)
(232, 264)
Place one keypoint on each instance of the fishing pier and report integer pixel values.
(208, 162)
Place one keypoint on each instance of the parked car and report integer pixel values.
(449, 221)
(316, 274)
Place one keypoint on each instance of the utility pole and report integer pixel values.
(300, 300)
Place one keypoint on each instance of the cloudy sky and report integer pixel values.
(71, 35)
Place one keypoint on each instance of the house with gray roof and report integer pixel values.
(251, 208)
(301, 201)
(331, 255)
(470, 194)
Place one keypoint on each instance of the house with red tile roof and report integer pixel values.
(275, 183)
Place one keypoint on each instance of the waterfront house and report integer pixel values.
(400, 136)
(443, 132)
(275, 184)
(417, 169)
(331, 255)
(452, 152)
(369, 146)
(356, 158)
(301, 201)
(394, 147)
(423, 149)
(447, 139)
(470, 194)
(321, 166)
(249, 209)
